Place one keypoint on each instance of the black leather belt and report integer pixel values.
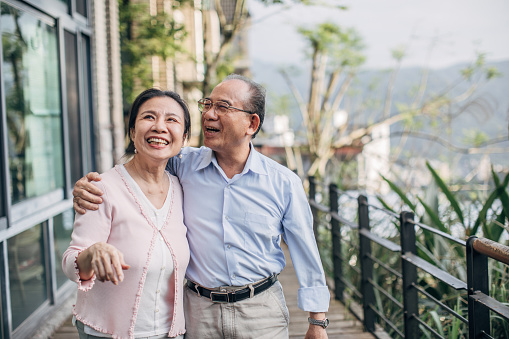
(231, 297)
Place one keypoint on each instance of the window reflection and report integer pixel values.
(1, 318)
(87, 146)
(81, 7)
(62, 229)
(27, 274)
(73, 110)
(32, 101)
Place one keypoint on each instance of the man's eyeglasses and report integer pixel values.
(204, 105)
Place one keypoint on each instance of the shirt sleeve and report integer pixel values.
(88, 229)
(173, 165)
(313, 294)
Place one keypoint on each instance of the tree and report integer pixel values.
(233, 19)
(336, 55)
(142, 36)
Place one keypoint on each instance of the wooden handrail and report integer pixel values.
(492, 249)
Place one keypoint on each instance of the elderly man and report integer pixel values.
(237, 205)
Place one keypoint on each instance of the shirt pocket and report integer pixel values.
(261, 232)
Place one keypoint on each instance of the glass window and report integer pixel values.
(81, 7)
(88, 139)
(27, 273)
(73, 104)
(1, 318)
(62, 229)
(32, 101)
(2, 191)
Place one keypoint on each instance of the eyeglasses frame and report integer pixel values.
(226, 104)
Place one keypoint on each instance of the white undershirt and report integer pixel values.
(156, 309)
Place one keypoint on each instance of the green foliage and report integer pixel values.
(475, 137)
(491, 215)
(450, 196)
(480, 69)
(482, 217)
(142, 36)
(344, 45)
(398, 53)
(400, 193)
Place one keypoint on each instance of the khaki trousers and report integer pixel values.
(263, 316)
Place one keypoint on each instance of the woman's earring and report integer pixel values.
(135, 151)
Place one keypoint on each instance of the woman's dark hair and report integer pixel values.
(145, 96)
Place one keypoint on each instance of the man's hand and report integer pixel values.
(86, 195)
(316, 331)
(103, 260)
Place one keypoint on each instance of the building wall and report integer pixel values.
(106, 77)
(60, 117)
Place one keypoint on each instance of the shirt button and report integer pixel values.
(162, 268)
(228, 187)
(157, 310)
(234, 276)
(227, 218)
(229, 246)
(158, 291)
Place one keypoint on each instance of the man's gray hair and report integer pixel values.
(256, 103)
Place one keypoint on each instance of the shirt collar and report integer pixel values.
(206, 158)
(254, 161)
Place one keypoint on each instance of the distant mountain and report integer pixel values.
(490, 114)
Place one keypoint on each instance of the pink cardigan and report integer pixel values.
(122, 222)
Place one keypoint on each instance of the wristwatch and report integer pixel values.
(324, 323)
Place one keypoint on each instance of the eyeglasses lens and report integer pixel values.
(204, 105)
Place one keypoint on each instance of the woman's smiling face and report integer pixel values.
(158, 132)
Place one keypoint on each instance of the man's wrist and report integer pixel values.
(319, 322)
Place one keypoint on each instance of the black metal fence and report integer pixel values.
(410, 300)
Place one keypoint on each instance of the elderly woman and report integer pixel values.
(129, 257)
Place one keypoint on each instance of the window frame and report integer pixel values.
(23, 215)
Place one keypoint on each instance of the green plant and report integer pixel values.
(459, 214)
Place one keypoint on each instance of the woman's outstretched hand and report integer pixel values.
(103, 260)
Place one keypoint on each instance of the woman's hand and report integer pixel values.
(86, 195)
(103, 260)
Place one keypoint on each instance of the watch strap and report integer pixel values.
(323, 323)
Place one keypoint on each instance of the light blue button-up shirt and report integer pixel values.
(234, 226)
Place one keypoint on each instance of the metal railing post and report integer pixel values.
(336, 243)
(368, 295)
(409, 272)
(477, 281)
(312, 196)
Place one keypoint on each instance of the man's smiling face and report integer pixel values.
(226, 133)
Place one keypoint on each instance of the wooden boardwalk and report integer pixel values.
(342, 324)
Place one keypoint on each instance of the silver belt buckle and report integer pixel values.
(224, 294)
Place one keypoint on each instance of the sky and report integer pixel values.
(455, 28)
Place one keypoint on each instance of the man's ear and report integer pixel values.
(254, 123)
